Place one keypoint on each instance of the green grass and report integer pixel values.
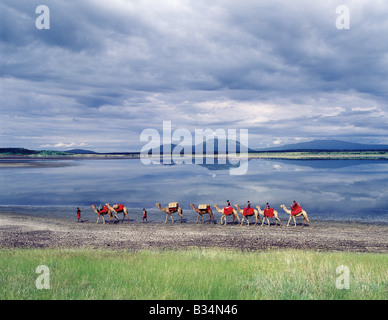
(191, 274)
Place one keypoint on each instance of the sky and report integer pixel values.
(105, 71)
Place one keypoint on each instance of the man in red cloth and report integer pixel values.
(78, 214)
(247, 210)
(228, 210)
(295, 208)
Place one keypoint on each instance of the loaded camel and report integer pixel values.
(293, 215)
(169, 210)
(254, 212)
(117, 208)
(269, 214)
(105, 210)
(203, 209)
(223, 217)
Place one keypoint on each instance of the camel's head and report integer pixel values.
(157, 204)
(282, 205)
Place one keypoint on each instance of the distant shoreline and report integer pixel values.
(286, 155)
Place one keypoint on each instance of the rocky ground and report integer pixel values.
(21, 231)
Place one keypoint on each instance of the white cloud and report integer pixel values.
(107, 70)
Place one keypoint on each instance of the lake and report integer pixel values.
(351, 190)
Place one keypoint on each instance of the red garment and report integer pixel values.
(78, 213)
(104, 210)
(296, 209)
(268, 212)
(228, 211)
(248, 212)
(120, 208)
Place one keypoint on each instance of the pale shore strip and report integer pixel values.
(22, 231)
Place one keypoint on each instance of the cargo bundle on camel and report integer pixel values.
(170, 209)
(203, 209)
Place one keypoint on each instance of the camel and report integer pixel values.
(169, 213)
(302, 213)
(201, 212)
(105, 210)
(255, 213)
(117, 208)
(235, 214)
(275, 213)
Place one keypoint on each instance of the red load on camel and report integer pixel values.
(296, 209)
(104, 210)
(120, 208)
(228, 211)
(268, 213)
(248, 212)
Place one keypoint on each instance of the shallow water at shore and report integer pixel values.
(154, 215)
(337, 190)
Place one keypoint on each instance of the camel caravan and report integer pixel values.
(205, 210)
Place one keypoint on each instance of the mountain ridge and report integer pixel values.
(330, 145)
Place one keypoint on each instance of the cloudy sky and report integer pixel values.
(107, 70)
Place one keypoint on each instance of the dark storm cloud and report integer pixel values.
(281, 69)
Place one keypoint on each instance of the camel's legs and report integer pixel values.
(126, 213)
(166, 218)
(197, 218)
(238, 219)
(289, 221)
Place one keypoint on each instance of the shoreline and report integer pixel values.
(23, 231)
(264, 155)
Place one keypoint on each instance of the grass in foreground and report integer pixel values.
(191, 274)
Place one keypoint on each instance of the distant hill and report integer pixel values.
(27, 152)
(218, 146)
(80, 151)
(332, 145)
(17, 151)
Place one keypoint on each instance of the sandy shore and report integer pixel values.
(20, 231)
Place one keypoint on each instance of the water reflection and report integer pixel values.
(326, 188)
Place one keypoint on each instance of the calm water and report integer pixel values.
(351, 190)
